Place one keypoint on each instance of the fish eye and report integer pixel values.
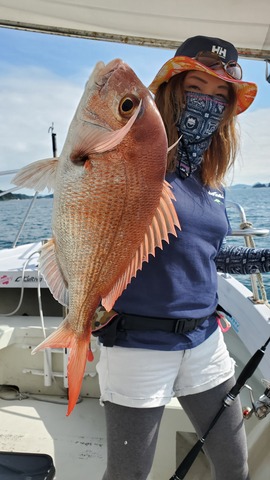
(128, 105)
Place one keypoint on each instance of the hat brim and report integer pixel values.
(246, 91)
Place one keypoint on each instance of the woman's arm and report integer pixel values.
(243, 260)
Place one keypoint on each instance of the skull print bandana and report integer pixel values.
(199, 120)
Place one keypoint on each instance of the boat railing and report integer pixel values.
(248, 232)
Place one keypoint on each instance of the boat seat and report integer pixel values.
(26, 466)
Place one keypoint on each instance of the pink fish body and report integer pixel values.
(112, 206)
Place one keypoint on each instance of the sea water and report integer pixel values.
(255, 201)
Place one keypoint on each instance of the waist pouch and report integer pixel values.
(124, 322)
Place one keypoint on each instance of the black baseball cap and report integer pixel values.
(190, 48)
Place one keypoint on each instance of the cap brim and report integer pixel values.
(246, 91)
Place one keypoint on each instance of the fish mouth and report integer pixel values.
(107, 71)
(126, 105)
(112, 76)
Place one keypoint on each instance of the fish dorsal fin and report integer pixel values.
(52, 273)
(163, 223)
(37, 175)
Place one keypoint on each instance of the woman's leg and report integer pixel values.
(225, 445)
(131, 441)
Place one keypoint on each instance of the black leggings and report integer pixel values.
(132, 436)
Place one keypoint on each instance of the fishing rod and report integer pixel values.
(247, 371)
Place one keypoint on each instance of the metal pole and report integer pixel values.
(24, 220)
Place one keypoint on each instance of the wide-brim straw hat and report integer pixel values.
(184, 61)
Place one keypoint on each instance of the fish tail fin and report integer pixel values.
(61, 338)
(64, 337)
(76, 367)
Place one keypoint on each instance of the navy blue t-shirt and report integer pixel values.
(181, 280)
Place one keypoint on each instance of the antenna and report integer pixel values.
(267, 74)
(54, 145)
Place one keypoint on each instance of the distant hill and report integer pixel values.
(20, 196)
(13, 196)
(260, 185)
(240, 185)
(256, 185)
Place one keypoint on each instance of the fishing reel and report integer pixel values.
(260, 407)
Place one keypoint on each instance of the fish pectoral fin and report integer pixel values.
(64, 337)
(37, 175)
(52, 273)
(163, 223)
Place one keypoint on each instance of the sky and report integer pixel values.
(42, 78)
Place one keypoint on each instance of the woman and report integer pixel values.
(165, 340)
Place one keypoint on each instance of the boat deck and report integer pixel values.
(77, 443)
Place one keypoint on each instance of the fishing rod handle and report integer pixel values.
(247, 371)
(184, 467)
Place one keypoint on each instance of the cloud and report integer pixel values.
(253, 162)
(31, 100)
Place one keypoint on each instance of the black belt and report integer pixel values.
(171, 325)
(123, 322)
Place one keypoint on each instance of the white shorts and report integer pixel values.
(142, 378)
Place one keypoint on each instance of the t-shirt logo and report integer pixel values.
(218, 196)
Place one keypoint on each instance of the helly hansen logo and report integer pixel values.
(220, 51)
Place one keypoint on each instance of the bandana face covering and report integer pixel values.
(200, 119)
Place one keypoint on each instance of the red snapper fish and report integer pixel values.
(112, 206)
